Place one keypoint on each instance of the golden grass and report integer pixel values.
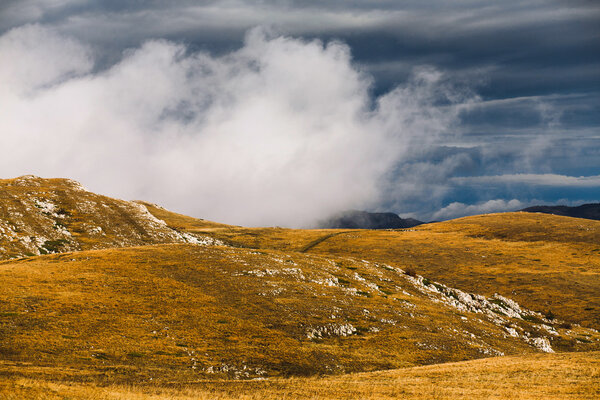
(548, 263)
(183, 222)
(556, 376)
(185, 312)
(39, 216)
(178, 306)
(146, 322)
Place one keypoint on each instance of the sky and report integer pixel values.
(281, 113)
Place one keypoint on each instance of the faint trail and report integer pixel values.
(320, 240)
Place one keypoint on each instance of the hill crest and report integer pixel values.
(41, 216)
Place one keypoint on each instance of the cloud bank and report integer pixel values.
(457, 209)
(282, 131)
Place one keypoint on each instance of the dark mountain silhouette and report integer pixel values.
(587, 211)
(367, 220)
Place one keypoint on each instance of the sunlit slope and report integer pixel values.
(40, 216)
(541, 376)
(179, 312)
(548, 263)
(185, 223)
(237, 236)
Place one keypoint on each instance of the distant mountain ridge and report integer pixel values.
(354, 219)
(587, 211)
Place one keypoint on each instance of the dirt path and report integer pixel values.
(320, 240)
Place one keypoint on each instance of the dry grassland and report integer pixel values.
(185, 311)
(314, 314)
(555, 376)
(548, 263)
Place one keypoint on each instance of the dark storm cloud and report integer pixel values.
(508, 42)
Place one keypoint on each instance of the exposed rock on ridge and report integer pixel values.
(41, 216)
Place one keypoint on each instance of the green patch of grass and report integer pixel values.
(531, 318)
(9, 314)
(500, 303)
(343, 282)
(410, 272)
(439, 287)
(100, 355)
(361, 330)
(53, 246)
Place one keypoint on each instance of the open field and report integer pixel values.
(548, 263)
(179, 312)
(103, 298)
(540, 376)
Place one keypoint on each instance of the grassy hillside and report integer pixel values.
(181, 312)
(42, 216)
(103, 292)
(182, 222)
(548, 263)
(540, 376)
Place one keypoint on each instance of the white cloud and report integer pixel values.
(457, 209)
(281, 131)
(32, 57)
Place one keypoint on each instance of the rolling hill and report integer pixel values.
(183, 311)
(99, 291)
(548, 263)
(42, 216)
